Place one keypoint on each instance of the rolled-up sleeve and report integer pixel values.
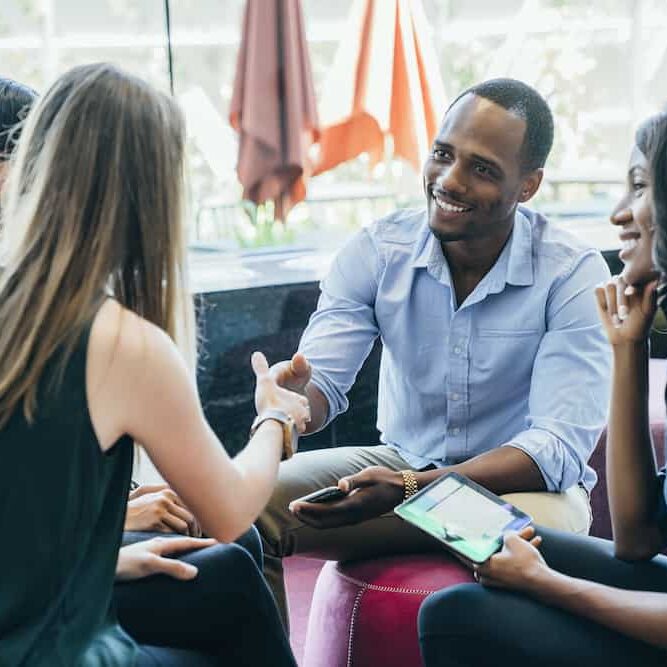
(341, 332)
(571, 379)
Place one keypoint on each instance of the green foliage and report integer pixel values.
(266, 230)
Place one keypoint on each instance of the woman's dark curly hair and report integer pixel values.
(657, 157)
(15, 102)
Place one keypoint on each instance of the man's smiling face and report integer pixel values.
(473, 177)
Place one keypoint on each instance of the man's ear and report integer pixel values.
(531, 184)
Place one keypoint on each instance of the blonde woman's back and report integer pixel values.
(94, 202)
(68, 498)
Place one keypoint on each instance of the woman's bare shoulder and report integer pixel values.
(119, 332)
(124, 345)
(130, 362)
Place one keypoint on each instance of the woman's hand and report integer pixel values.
(146, 558)
(270, 396)
(626, 311)
(158, 508)
(518, 566)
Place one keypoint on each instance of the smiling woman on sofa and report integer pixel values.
(556, 599)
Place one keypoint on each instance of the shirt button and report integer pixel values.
(457, 350)
(456, 430)
(454, 397)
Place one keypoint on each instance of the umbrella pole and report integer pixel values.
(279, 203)
(170, 58)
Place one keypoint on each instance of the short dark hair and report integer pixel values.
(15, 102)
(522, 100)
(651, 139)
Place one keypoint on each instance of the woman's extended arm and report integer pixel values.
(138, 384)
(637, 614)
(632, 481)
(520, 567)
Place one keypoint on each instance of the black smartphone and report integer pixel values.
(325, 495)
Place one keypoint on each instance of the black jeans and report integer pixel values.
(226, 615)
(469, 625)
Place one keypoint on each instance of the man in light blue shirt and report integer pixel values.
(494, 363)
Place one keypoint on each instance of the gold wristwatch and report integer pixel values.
(290, 433)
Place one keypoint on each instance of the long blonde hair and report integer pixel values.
(92, 206)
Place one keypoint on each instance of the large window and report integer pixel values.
(601, 63)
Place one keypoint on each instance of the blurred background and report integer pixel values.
(602, 64)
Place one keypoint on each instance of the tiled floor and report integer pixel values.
(301, 575)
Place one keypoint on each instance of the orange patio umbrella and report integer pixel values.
(384, 81)
(273, 104)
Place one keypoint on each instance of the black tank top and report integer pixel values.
(62, 507)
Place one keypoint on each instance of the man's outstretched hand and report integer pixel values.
(370, 493)
(293, 374)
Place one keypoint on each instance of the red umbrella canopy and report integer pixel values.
(273, 104)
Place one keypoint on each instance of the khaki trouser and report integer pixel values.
(284, 535)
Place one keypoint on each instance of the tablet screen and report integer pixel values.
(466, 517)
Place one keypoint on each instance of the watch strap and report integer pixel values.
(288, 425)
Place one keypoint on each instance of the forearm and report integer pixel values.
(501, 470)
(319, 408)
(256, 472)
(637, 614)
(341, 332)
(632, 481)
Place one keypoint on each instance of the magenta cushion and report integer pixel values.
(364, 614)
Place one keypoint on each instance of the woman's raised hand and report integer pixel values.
(270, 396)
(626, 311)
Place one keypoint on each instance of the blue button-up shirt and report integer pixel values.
(522, 362)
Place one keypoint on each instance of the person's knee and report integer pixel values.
(568, 511)
(251, 541)
(225, 567)
(451, 611)
(237, 557)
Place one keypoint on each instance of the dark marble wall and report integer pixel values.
(270, 319)
(234, 323)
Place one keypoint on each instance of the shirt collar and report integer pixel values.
(424, 245)
(519, 263)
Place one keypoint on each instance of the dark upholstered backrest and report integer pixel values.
(601, 521)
